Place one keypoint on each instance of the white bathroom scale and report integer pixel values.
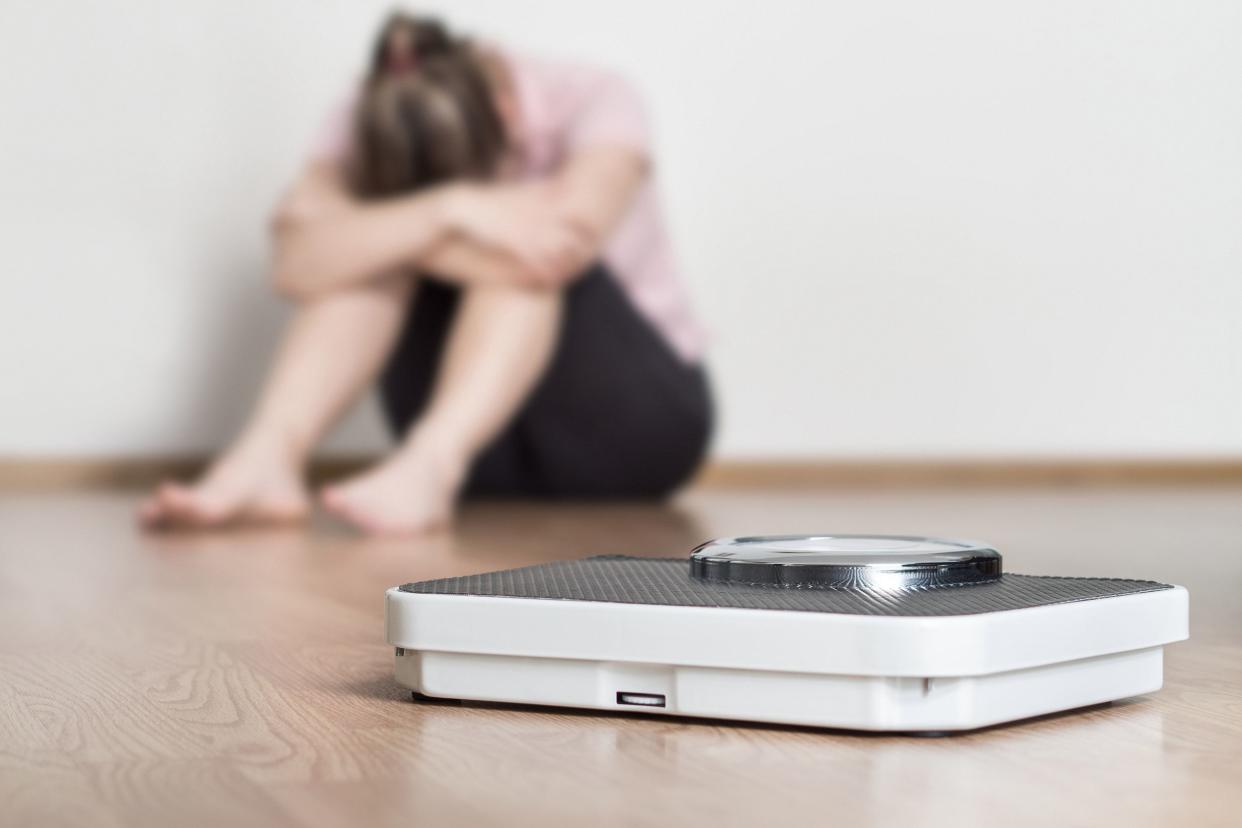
(868, 632)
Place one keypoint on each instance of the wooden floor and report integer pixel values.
(243, 678)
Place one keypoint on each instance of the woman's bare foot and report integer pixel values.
(254, 482)
(411, 492)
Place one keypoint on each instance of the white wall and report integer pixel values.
(950, 228)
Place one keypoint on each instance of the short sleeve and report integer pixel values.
(610, 113)
(332, 140)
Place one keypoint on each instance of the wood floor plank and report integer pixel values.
(241, 678)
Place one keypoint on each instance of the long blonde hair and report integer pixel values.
(427, 112)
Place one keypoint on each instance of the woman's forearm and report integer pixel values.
(358, 242)
(470, 234)
(461, 261)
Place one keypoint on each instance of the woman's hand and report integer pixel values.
(527, 222)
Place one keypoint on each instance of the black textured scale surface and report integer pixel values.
(620, 579)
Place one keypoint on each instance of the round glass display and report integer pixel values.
(845, 561)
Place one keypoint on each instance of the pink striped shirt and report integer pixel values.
(565, 108)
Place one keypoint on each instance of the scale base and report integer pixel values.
(878, 703)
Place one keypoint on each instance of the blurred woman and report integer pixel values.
(478, 230)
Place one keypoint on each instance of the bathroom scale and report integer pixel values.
(868, 632)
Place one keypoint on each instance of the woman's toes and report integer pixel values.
(349, 502)
(352, 506)
(189, 507)
(276, 513)
(165, 502)
(178, 502)
(378, 512)
(203, 511)
(402, 496)
(236, 494)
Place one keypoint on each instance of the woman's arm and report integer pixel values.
(591, 194)
(534, 235)
(597, 186)
(325, 239)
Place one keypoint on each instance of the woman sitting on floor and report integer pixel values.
(479, 231)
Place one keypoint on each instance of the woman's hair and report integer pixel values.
(427, 112)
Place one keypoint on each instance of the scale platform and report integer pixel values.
(867, 632)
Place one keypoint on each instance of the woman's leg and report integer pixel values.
(618, 413)
(501, 341)
(332, 350)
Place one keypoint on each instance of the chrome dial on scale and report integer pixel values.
(845, 561)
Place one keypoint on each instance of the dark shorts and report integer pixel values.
(617, 414)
